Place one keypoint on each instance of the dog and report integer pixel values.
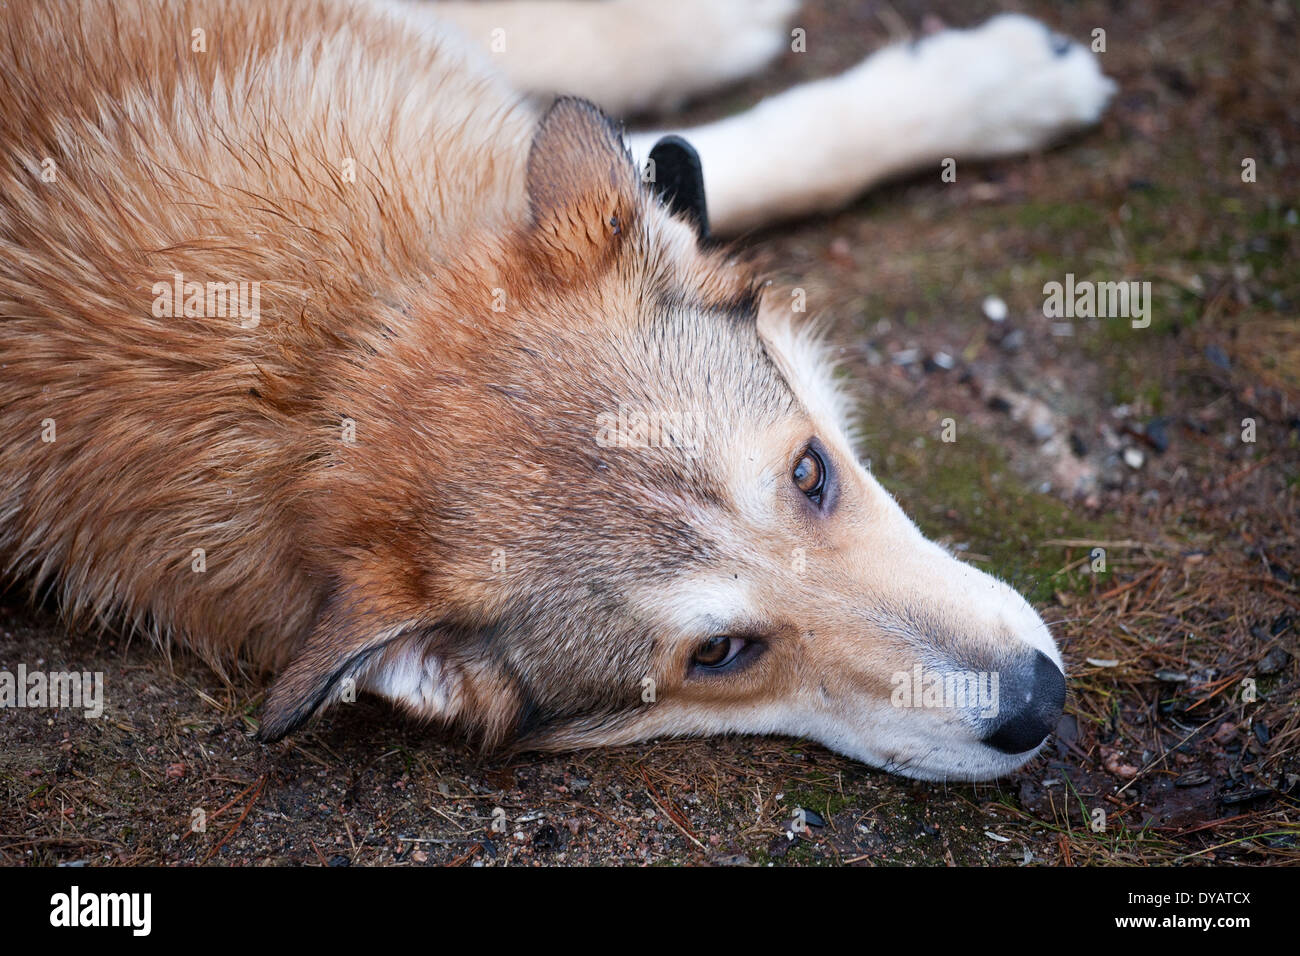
(353, 342)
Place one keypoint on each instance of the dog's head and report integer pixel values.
(602, 490)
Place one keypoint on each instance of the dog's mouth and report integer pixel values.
(940, 757)
(941, 721)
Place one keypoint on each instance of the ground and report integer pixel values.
(1181, 742)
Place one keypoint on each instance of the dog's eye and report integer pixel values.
(810, 475)
(719, 651)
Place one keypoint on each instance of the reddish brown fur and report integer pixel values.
(179, 433)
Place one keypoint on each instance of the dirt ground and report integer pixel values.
(1181, 742)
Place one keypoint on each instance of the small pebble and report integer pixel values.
(813, 818)
(1218, 357)
(995, 309)
(1134, 458)
(1273, 661)
(1157, 435)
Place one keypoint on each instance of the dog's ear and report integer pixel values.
(411, 665)
(674, 173)
(581, 180)
(331, 666)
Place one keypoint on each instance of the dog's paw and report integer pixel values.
(714, 42)
(1013, 84)
(745, 35)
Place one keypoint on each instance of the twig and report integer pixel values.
(229, 833)
(1115, 592)
(467, 855)
(672, 816)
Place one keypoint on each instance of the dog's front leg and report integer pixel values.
(1005, 87)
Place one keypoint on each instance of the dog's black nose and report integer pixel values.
(1030, 699)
